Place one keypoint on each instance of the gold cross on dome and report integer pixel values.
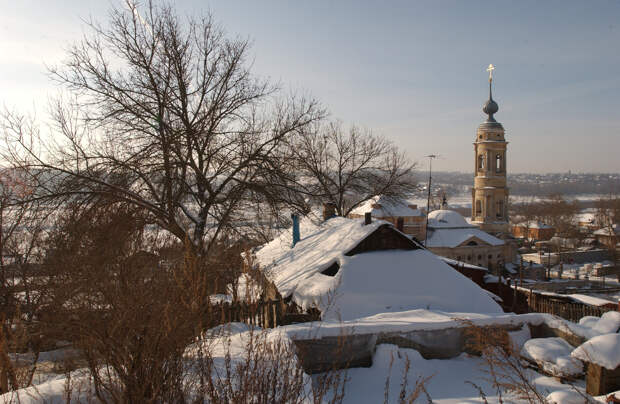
(490, 70)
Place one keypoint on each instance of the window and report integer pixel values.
(490, 257)
(478, 207)
(498, 163)
(458, 257)
(472, 243)
(332, 270)
(480, 161)
(500, 209)
(469, 258)
(479, 257)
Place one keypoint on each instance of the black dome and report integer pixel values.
(490, 107)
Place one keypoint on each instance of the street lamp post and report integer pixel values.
(428, 198)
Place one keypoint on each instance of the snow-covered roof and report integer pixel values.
(447, 228)
(606, 231)
(320, 246)
(534, 224)
(446, 218)
(366, 283)
(586, 217)
(455, 237)
(381, 207)
(462, 264)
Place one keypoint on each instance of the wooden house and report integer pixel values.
(346, 269)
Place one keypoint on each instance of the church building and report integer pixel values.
(490, 193)
(486, 240)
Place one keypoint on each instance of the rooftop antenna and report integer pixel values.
(428, 198)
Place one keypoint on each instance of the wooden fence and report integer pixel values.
(264, 314)
(523, 301)
(564, 308)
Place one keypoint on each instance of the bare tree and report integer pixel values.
(560, 213)
(22, 234)
(164, 114)
(350, 167)
(608, 215)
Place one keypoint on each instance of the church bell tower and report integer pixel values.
(490, 194)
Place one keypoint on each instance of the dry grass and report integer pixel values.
(502, 364)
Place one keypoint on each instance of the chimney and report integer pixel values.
(296, 235)
(367, 218)
(329, 210)
(412, 206)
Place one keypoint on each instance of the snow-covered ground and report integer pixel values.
(449, 383)
(446, 380)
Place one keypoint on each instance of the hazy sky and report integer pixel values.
(412, 71)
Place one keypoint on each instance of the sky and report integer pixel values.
(412, 71)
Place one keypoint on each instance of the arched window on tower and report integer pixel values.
(481, 161)
(498, 163)
(500, 209)
(478, 207)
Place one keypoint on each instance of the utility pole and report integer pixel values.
(428, 198)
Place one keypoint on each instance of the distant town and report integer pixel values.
(571, 185)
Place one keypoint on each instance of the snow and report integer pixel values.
(520, 337)
(553, 355)
(577, 297)
(220, 298)
(591, 300)
(416, 320)
(589, 321)
(54, 391)
(248, 289)
(446, 218)
(603, 350)
(386, 281)
(228, 342)
(606, 231)
(590, 326)
(367, 283)
(449, 381)
(448, 228)
(320, 246)
(384, 207)
(462, 264)
(451, 238)
(608, 323)
(566, 397)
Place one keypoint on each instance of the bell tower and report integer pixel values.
(490, 194)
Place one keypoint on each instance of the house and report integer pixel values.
(533, 230)
(608, 235)
(587, 220)
(348, 269)
(449, 235)
(405, 216)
